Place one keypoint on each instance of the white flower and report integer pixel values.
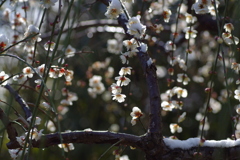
(125, 70)
(124, 58)
(237, 94)
(66, 146)
(122, 80)
(20, 78)
(135, 27)
(70, 51)
(167, 106)
(48, 3)
(114, 9)
(21, 140)
(228, 27)
(190, 33)
(166, 14)
(35, 134)
(3, 78)
(170, 46)
(32, 30)
(116, 89)
(229, 39)
(28, 72)
(200, 8)
(130, 44)
(119, 97)
(175, 128)
(180, 92)
(183, 78)
(40, 69)
(238, 109)
(37, 120)
(95, 80)
(190, 18)
(135, 114)
(49, 45)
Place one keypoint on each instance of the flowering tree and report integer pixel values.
(187, 85)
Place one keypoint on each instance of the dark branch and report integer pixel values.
(20, 101)
(86, 137)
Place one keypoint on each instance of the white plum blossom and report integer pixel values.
(190, 33)
(166, 14)
(122, 80)
(237, 94)
(135, 114)
(201, 6)
(21, 140)
(35, 134)
(130, 44)
(175, 128)
(167, 106)
(170, 46)
(49, 45)
(119, 97)
(113, 46)
(114, 9)
(183, 78)
(180, 92)
(125, 70)
(228, 27)
(3, 78)
(32, 30)
(15, 153)
(229, 39)
(135, 27)
(66, 146)
(70, 51)
(28, 72)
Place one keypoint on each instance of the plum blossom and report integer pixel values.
(28, 72)
(114, 9)
(135, 114)
(15, 153)
(229, 39)
(135, 27)
(166, 14)
(32, 30)
(170, 46)
(167, 106)
(125, 70)
(119, 97)
(66, 146)
(175, 128)
(49, 45)
(35, 134)
(180, 92)
(70, 51)
(190, 33)
(113, 46)
(183, 78)
(3, 78)
(116, 89)
(237, 94)
(122, 80)
(130, 44)
(228, 27)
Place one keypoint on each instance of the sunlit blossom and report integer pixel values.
(175, 128)
(228, 27)
(183, 78)
(170, 46)
(116, 89)
(67, 147)
(28, 72)
(114, 9)
(70, 51)
(135, 114)
(119, 97)
(135, 27)
(180, 92)
(167, 106)
(166, 14)
(122, 80)
(49, 45)
(3, 78)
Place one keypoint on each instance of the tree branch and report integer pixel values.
(20, 101)
(86, 137)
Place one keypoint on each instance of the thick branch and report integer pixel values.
(86, 137)
(20, 101)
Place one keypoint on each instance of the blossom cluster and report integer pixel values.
(122, 80)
